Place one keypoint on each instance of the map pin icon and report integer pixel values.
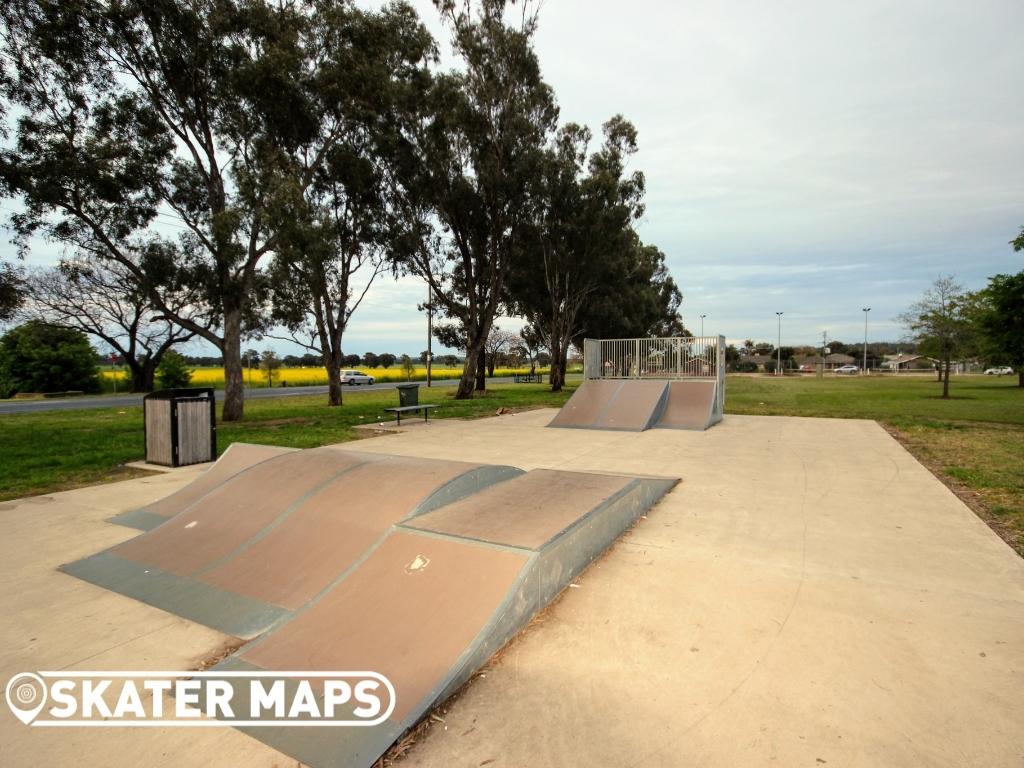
(26, 695)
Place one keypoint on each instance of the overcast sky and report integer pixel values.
(812, 157)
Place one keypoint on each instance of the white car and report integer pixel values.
(847, 370)
(356, 377)
(1001, 370)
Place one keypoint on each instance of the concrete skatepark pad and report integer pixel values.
(328, 559)
(638, 405)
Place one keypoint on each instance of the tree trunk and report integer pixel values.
(557, 375)
(1020, 378)
(142, 375)
(333, 380)
(491, 361)
(945, 380)
(234, 392)
(481, 371)
(468, 379)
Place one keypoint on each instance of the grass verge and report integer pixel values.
(973, 442)
(59, 450)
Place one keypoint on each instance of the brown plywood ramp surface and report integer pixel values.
(527, 511)
(441, 594)
(636, 407)
(237, 458)
(267, 541)
(586, 404)
(416, 569)
(690, 405)
(614, 404)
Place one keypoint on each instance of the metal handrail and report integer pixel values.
(694, 357)
(674, 358)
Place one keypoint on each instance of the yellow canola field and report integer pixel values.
(301, 377)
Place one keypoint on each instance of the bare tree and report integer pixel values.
(103, 299)
(938, 323)
(498, 341)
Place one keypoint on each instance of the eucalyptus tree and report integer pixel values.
(335, 232)
(470, 165)
(581, 235)
(997, 311)
(103, 299)
(135, 112)
(12, 290)
(642, 299)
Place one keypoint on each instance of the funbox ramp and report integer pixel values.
(638, 405)
(329, 559)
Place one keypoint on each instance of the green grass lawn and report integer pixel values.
(974, 442)
(57, 450)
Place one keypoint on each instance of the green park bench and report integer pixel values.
(398, 410)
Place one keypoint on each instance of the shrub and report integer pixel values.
(36, 357)
(173, 372)
(408, 369)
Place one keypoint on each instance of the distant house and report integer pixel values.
(747, 361)
(837, 360)
(907, 362)
(833, 361)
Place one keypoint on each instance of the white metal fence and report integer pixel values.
(695, 357)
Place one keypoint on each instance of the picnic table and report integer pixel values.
(527, 378)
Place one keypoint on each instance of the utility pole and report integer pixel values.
(824, 346)
(702, 325)
(430, 329)
(778, 368)
(865, 310)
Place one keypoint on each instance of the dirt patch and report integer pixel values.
(219, 654)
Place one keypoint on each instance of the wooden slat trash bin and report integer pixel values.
(180, 426)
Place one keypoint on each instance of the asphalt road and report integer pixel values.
(122, 401)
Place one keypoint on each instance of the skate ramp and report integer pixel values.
(637, 405)
(417, 569)
(628, 405)
(268, 540)
(441, 594)
(691, 405)
(237, 458)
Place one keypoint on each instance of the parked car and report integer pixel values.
(356, 377)
(1000, 370)
(847, 370)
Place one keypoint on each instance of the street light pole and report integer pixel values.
(702, 325)
(430, 330)
(778, 368)
(824, 346)
(865, 310)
